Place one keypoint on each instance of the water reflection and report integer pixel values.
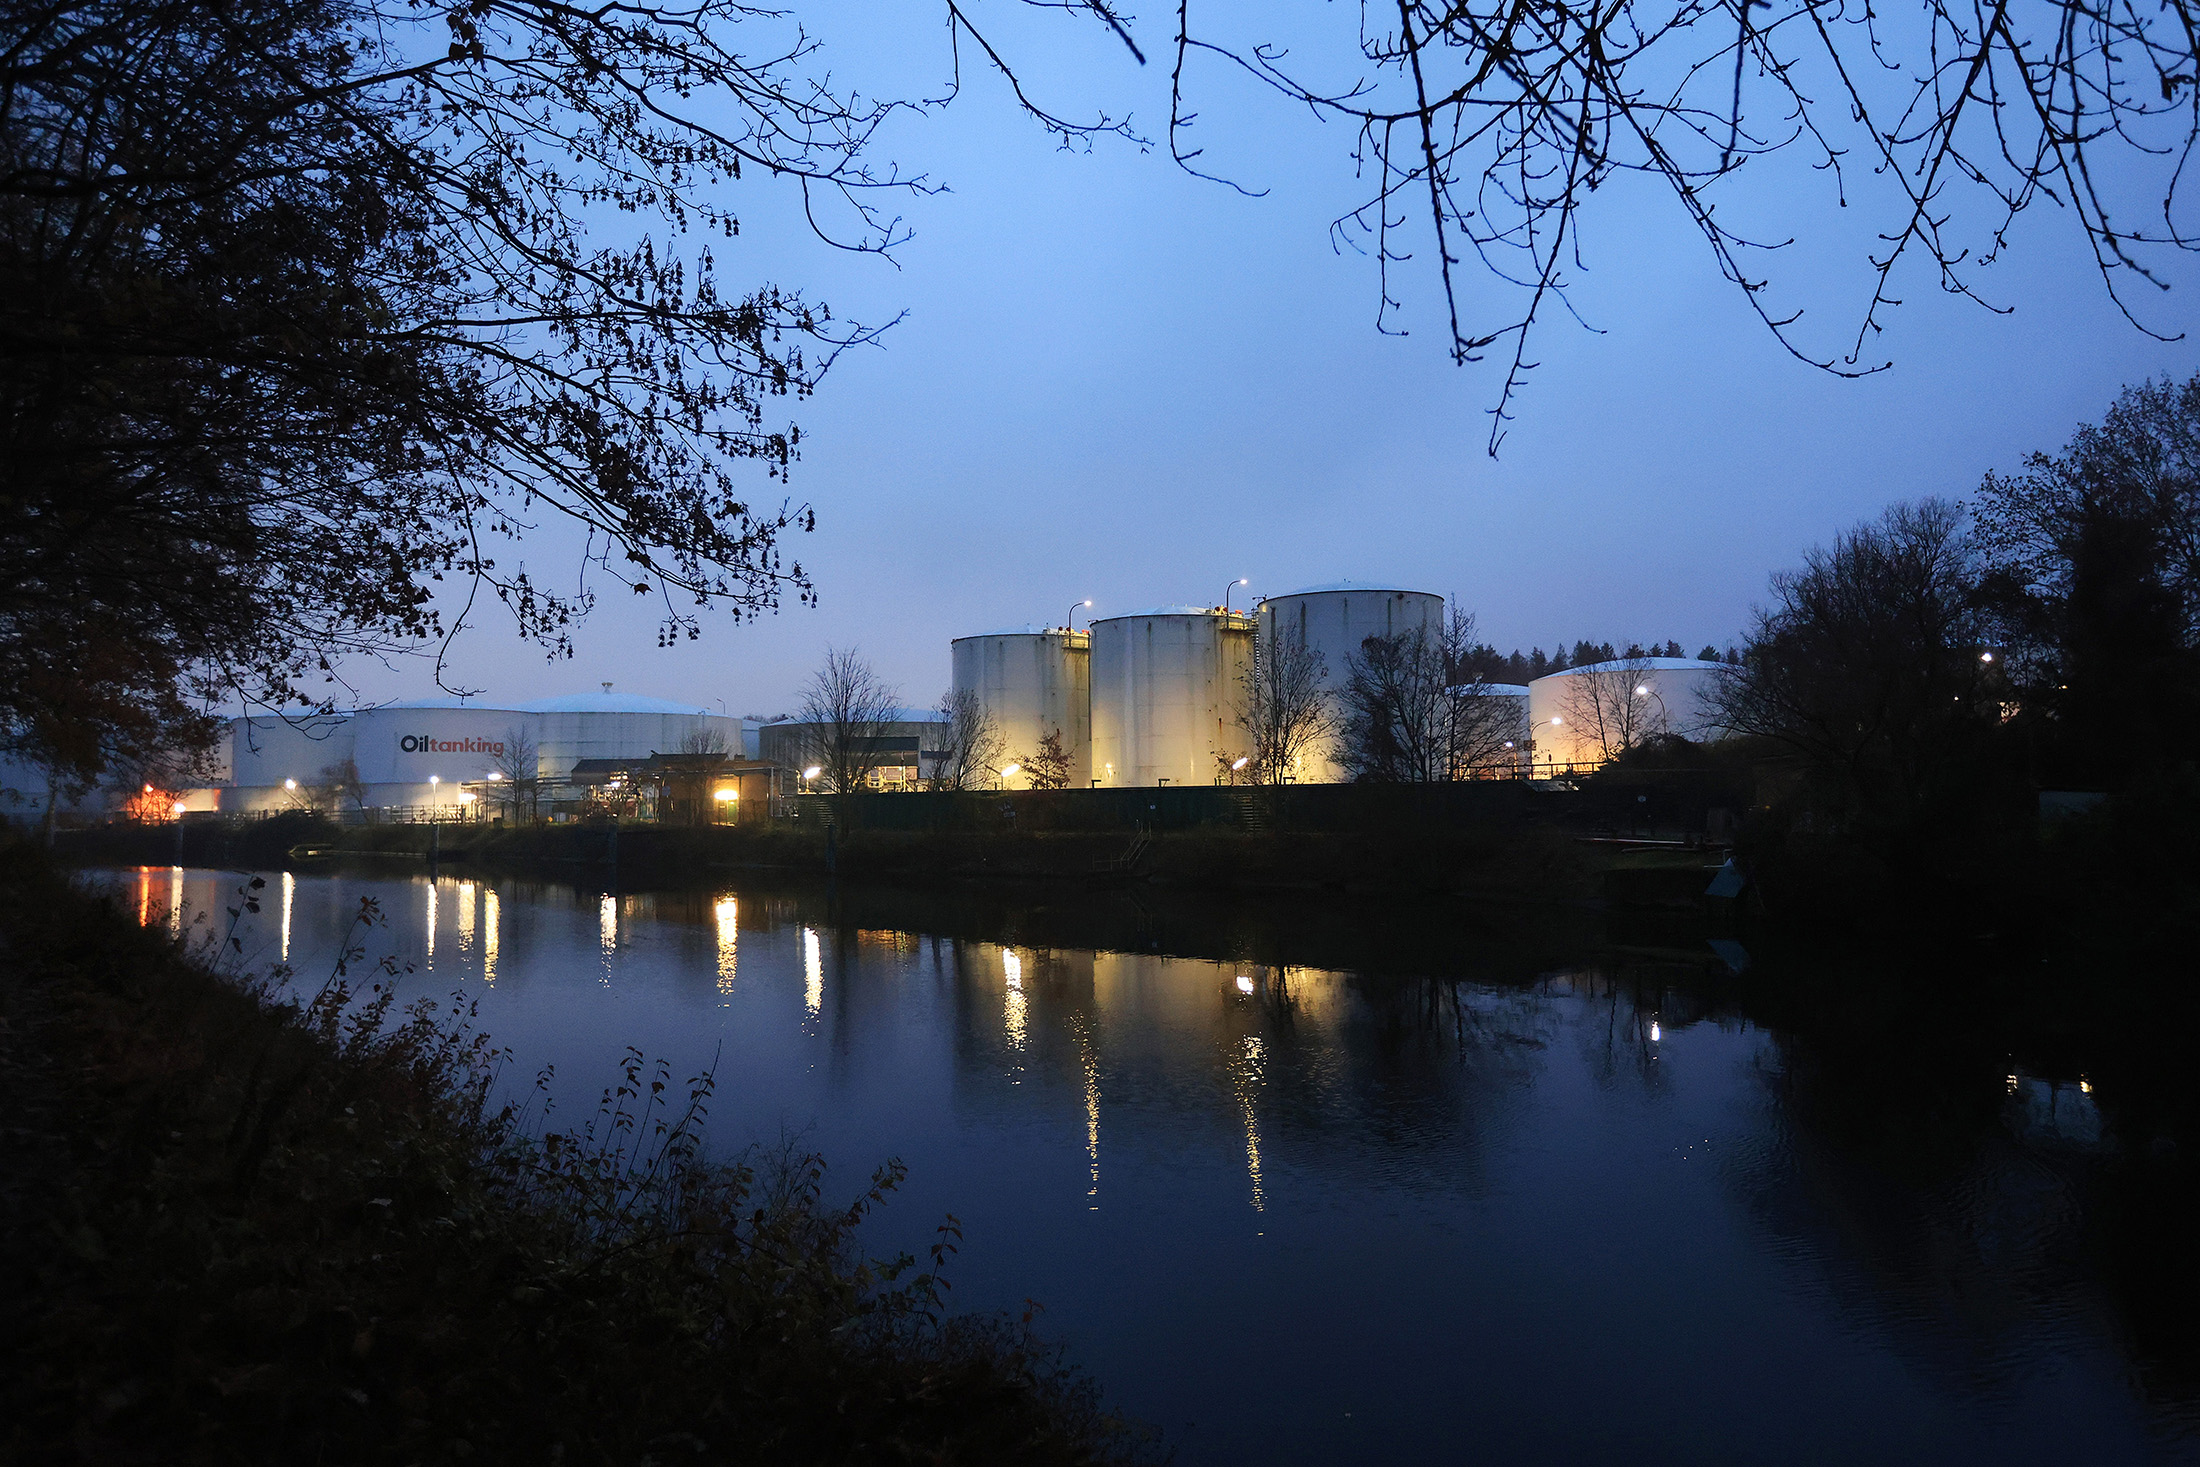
(491, 920)
(728, 913)
(1612, 1201)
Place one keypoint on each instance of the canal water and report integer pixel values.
(1409, 1187)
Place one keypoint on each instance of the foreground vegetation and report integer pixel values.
(283, 1221)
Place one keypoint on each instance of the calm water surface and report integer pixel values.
(1477, 1196)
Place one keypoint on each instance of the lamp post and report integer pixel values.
(1079, 606)
(1557, 722)
(1226, 590)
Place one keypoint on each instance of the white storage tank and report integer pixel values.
(1166, 685)
(420, 753)
(1335, 619)
(266, 752)
(609, 725)
(1586, 715)
(1033, 681)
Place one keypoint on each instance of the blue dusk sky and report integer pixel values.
(1115, 380)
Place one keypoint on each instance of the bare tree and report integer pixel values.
(1415, 711)
(1933, 125)
(518, 776)
(847, 708)
(971, 742)
(1047, 767)
(1396, 702)
(1284, 706)
(1614, 706)
(336, 787)
(706, 740)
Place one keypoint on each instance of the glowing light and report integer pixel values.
(1641, 689)
(1655, 1036)
(1017, 1006)
(179, 807)
(1240, 762)
(1986, 657)
(496, 774)
(489, 923)
(435, 779)
(148, 789)
(2085, 1086)
(812, 772)
(1560, 722)
(1244, 983)
(607, 924)
(728, 913)
(290, 784)
(175, 899)
(465, 797)
(813, 973)
(465, 916)
(290, 892)
(431, 924)
(727, 795)
(1007, 770)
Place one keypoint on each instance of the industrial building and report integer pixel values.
(1585, 715)
(903, 750)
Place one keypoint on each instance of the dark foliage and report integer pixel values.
(286, 1225)
(2094, 557)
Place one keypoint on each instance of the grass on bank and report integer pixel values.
(282, 1221)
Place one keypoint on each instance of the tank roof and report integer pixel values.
(609, 703)
(1497, 690)
(1170, 611)
(1327, 586)
(469, 705)
(1646, 664)
(1022, 631)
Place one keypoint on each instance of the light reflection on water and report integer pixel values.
(1570, 1217)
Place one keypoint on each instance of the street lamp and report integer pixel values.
(1080, 606)
(1226, 590)
(1556, 722)
(290, 784)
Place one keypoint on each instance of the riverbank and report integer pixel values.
(1521, 862)
(246, 1228)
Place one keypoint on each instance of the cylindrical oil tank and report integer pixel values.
(1334, 620)
(610, 725)
(1586, 715)
(1166, 686)
(1033, 681)
(421, 753)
